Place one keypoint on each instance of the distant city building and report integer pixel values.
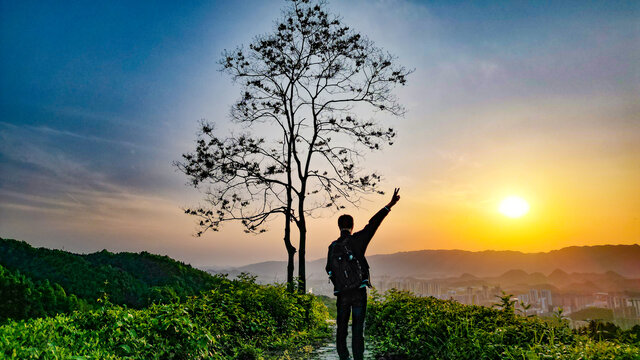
(541, 301)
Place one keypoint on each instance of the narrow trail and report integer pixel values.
(329, 352)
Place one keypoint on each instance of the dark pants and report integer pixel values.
(351, 301)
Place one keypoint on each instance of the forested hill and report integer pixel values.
(134, 279)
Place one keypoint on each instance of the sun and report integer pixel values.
(514, 207)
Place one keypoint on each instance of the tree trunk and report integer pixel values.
(302, 279)
(302, 228)
(291, 252)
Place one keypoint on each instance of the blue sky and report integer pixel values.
(98, 98)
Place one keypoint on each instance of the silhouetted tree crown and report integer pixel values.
(312, 78)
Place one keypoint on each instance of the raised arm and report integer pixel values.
(394, 198)
(369, 230)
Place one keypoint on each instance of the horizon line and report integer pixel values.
(411, 251)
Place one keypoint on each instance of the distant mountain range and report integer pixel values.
(557, 281)
(438, 264)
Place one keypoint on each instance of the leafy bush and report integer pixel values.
(598, 330)
(237, 319)
(330, 303)
(402, 326)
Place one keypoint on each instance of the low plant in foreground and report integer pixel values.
(403, 326)
(237, 320)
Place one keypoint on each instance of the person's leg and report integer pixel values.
(344, 312)
(357, 326)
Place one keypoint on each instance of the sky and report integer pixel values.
(534, 99)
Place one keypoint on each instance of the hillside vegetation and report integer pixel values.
(237, 319)
(402, 326)
(592, 313)
(23, 298)
(135, 280)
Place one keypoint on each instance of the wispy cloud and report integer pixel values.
(46, 130)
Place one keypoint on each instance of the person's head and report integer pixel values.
(345, 222)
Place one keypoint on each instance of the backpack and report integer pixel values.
(346, 271)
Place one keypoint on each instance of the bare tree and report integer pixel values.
(312, 78)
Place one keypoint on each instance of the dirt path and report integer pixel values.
(328, 351)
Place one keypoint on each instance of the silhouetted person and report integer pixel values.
(355, 300)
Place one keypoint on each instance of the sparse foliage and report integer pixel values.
(524, 308)
(559, 316)
(507, 303)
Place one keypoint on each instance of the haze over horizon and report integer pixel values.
(419, 250)
(534, 100)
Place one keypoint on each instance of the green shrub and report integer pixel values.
(599, 330)
(330, 303)
(402, 326)
(237, 319)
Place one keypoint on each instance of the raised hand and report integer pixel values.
(394, 198)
